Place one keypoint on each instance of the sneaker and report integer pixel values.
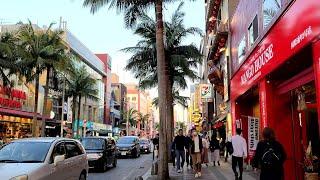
(179, 171)
(196, 175)
(199, 174)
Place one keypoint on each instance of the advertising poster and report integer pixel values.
(253, 135)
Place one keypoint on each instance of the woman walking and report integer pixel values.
(269, 156)
(205, 143)
(215, 150)
(196, 150)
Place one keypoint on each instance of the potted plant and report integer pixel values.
(311, 165)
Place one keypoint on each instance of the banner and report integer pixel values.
(206, 91)
(253, 135)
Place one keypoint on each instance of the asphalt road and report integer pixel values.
(127, 169)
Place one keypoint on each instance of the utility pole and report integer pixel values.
(62, 109)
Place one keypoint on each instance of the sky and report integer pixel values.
(103, 32)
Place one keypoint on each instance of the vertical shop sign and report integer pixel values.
(253, 135)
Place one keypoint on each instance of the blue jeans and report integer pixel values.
(179, 154)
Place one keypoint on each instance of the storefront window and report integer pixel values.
(241, 50)
(270, 9)
(12, 127)
(253, 31)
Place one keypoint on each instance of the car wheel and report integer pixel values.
(103, 167)
(82, 176)
(114, 164)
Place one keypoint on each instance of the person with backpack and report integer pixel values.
(239, 147)
(269, 157)
(215, 150)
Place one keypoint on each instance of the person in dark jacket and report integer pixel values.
(196, 150)
(215, 150)
(173, 153)
(188, 153)
(179, 142)
(269, 156)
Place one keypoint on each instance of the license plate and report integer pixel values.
(123, 153)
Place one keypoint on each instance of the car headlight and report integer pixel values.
(21, 177)
(94, 155)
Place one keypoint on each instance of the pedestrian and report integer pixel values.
(215, 150)
(196, 149)
(269, 156)
(155, 143)
(239, 146)
(206, 144)
(173, 153)
(179, 142)
(188, 152)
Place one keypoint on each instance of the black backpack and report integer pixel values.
(270, 157)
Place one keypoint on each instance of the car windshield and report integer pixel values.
(125, 140)
(24, 152)
(93, 143)
(144, 141)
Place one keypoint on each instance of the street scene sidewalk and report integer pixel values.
(223, 172)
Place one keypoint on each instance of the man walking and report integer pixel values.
(179, 142)
(239, 153)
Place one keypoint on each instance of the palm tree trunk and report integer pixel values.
(45, 103)
(79, 111)
(35, 109)
(74, 101)
(170, 123)
(163, 172)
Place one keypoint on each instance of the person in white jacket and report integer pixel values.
(239, 153)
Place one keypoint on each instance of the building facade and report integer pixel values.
(16, 113)
(275, 75)
(119, 96)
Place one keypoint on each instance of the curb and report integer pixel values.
(147, 174)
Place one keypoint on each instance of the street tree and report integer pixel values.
(182, 59)
(144, 119)
(133, 9)
(130, 118)
(42, 51)
(80, 84)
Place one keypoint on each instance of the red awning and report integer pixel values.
(19, 113)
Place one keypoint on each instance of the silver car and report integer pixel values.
(43, 158)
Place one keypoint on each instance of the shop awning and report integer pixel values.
(19, 113)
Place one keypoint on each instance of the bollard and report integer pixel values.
(154, 168)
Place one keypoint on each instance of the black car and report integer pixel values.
(101, 152)
(128, 146)
(145, 145)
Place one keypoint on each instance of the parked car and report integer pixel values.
(145, 145)
(101, 152)
(43, 158)
(128, 146)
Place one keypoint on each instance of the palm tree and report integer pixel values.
(42, 50)
(144, 119)
(132, 10)
(79, 85)
(9, 56)
(130, 117)
(182, 59)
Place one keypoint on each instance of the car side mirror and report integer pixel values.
(58, 159)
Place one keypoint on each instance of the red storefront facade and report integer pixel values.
(279, 81)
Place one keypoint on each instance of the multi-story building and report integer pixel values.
(119, 95)
(275, 75)
(138, 100)
(15, 120)
(217, 60)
